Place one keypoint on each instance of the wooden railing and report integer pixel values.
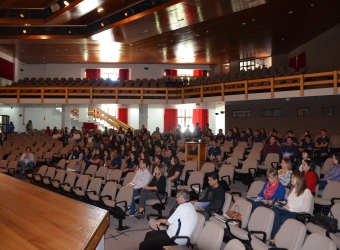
(99, 114)
(163, 95)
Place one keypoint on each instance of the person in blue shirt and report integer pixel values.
(307, 144)
(175, 170)
(214, 152)
(220, 137)
(10, 128)
(116, 161)
(243, 137)
(263, 134)
(256, 137)
(229, 136)
(289, 150)
(321, 145)
(272, 189)
(291, 135)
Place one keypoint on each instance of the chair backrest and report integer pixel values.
(208, 167)
(42, 170)
(261, 219)
(61, 163)
(71, 178)
(3, 164)
(91, 170)
(102, 172)
(317, 241)
(197, 231)
(237, 154)
(50, 172)
(95, 185)
(11, 157)
(12, 165)
(271, 157)
(255, 188)
(244, 208)
(327, 165)
(226, 169)
(233, 161)
(250, 163)
(243, 144)
(227, 202)
(293, 230)
(125, 194)
(189, 165)
(254, 156)
(116, 174)
(234, 244)
(110, 188)
(230, 144)
(128, 178)
(82, 182)
(60, 175)
(336, 212)
(331, 190)
(209, 240)
(196, 177)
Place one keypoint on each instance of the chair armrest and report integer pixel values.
(252, 174)
(113, 181)
(78, 188)
(105, 196)
(101, 177)
(125, 205)
(189, 171)
(34, 175)
(56, 180)
(264, 235)
(158, 216)
(304, 217)
(90, 191)
(274, 163)
(332, 231)
(227, 177)
(230, 220)
(334, 199)
(88, 174)
(46, 177)
(64, 184)
(181, 237)
(159, 198)
(199, 188)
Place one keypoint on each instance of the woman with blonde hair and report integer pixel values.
(155, 189)
(286, 171)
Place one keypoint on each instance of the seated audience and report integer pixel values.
(307, 144)
(229, 136)
(286, 172)
(321, 145)
(106, 158)
(263, 134)
(87, 157)
(291, 135)
(131, 163)
(48, 131)
(155, 189)
(311, 177)
(214, 194)
(271, 190)
(298, 201)
(272, 147)
(175, 170)
(333, 174)
(289, 149)
(156, 133)
(116, 161)
(169, 154)
(76, 156)
(96, 159)
(256, 137)
(307, 155)
(214, 152)
(220, 137)
(25, 159)
(181, 222)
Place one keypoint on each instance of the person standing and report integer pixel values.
(181, 222)
(26, 159)
(10, 128)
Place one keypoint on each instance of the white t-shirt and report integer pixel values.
(299, 204)
(182, 222)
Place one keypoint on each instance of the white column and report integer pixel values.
(83, 113)
(143, 115)
(66, 117)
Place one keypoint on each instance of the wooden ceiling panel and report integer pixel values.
(26, 4)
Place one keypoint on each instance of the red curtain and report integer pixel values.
(170, 72)
(6, 69)
(123, 115)
(201, 116)
(292, 62)
(124, 74)
(89, 125)
(170, 119)
(301, 61)
(92, 73)
(198, 72)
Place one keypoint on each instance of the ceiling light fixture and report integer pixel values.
(66, 3)
(22, 15)
(290, 12)
(100, 9)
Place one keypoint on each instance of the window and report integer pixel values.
(271, 113)
(329, 111)
(185, 118)
(303, 111)
(241, 113)
(112, 76)
(251, 64)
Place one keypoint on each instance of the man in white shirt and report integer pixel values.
(76, 135)
(181, 222)
(142, 178)
(26, 159)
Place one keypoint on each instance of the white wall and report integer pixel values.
(43, 117)
(133, 114)
(155, 119)
(14, 117)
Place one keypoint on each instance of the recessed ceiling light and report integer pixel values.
(100, 9)
(290, 12)
(197, 35)
(207, 31)
(22, 15)
(131, 44)
(253, 19)
(243, 23)
(283, 39)
(66, 3)
(24, 31)
(102, 24)
(312, 5)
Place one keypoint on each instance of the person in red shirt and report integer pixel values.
(311, 177)
(272, 147)
(48, 131)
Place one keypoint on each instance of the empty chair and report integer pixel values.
(80, 186)
(41, 172)
(207, 167)
(330, 192)
(91, 171)
(128, 178)
(233, 161)
(58, 178)
(3, 166)
(189, 166)
(106, 197)
(260, 225)
(114, 175)
(208, 240)
(291, 229)
(247, 173)
(46, 179)
(101, 174)
(195, 182)
(93, 188)
(318, 242)
(226, 173)
(253, 191)
(271, 160)
(68, 182)
(61, 164)
(159, 204)
(234, 244)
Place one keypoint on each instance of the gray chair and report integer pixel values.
(318, 242)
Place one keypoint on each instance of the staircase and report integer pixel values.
(100, 116)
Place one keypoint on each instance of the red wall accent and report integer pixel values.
(170, 119)
(201, 116)
(124, 74)
(6, 69)
(123, 115)
(92, 73)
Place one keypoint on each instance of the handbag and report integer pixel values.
(234, 215)
(327, 222)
